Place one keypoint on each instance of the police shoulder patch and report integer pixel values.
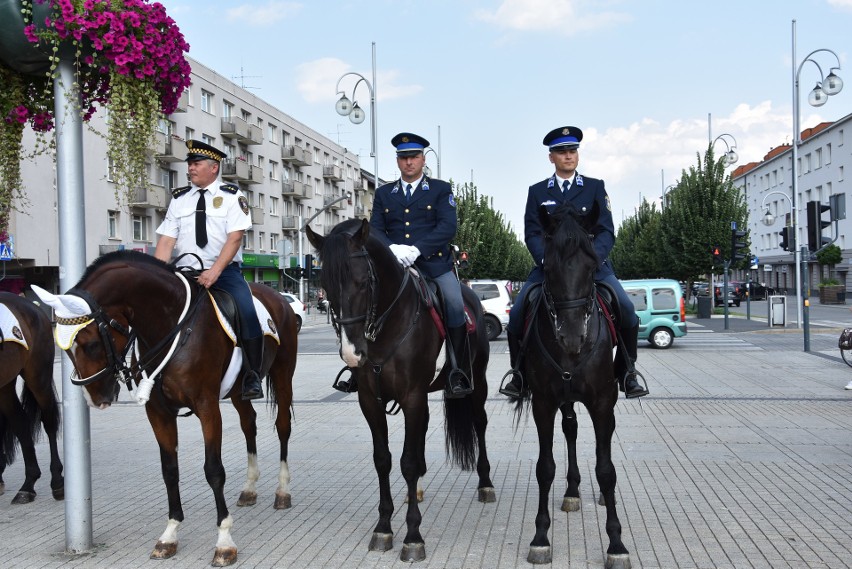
(178, 192)
(244, 205)
(452, 200)
(230, 188)
(608, 205)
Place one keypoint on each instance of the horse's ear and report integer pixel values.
(363, 233)
(590, 220)
(546, 220)
(315, 238)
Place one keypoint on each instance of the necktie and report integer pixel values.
(408, 192)
(201, 220)
(565, 185)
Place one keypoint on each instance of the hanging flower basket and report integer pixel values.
(129, 56)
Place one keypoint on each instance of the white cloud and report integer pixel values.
(545, 15)
(273, 12)
(317, 79)
(842, 4)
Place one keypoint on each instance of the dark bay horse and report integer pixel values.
(27, 351)
(391, 344)
(568, 359)
(178, 342)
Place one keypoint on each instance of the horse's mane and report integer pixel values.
(569, 234)
(335, 255)
(126, 256)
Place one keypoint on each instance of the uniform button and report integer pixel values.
(386, 210)
(407, 223)
(406, 210)
(407, 236)
(428, 207)
(440, 254)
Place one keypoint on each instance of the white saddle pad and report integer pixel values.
(11, 328)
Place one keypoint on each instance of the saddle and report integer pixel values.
(430, 295)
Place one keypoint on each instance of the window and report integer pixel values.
(248, 239)
(110, 170)
(227, 110)
(827, 157)
(637, 296)
(664, 299)
(273, 133)
(112, 224)
(206, 101)
(208, 140)
(273, 242)
(190, 133)
(273, 205)
(261, 201)
(246, 115)
(230, 151)
(249, 197)
(818, 158)
(261, 239)
(273, 170)
(141, 227)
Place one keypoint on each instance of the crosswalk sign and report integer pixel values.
(5, 252)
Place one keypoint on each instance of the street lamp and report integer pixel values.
(437, 160)
(730, 158)
(825, 87)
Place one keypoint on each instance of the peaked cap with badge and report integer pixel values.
(197, 150)
(409, 144)
(563, 137)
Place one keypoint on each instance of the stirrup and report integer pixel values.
(349, 385)
(522, 390)
(637, 376)
(462, 387)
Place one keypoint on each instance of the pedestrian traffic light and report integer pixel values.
(786, 241)
(738, 245)
(815, 225)
(717, 254)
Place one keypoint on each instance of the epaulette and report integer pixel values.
(230, 188)
(178, 192)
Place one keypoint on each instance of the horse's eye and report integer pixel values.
(92, 350)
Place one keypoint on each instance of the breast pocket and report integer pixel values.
(427, 213)
(217, 221)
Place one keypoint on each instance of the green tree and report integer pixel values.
(635, 254)
(493, 248)
(830, 256)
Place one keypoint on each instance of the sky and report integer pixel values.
(650, 82)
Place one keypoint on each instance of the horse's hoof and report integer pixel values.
(224, 556)
(283, 501)
(570, 504)
(164, 550)
(413, 552)
(59, 493)
(381, 542)
(602, 501)
(540, 554)
(617, 561)
(487, 495)
(247, 499)
(23, 497)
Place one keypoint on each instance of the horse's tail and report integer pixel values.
(8, 443)
(522, 407)
(33, 412)
(459, 433)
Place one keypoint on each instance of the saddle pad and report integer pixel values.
(10, 327)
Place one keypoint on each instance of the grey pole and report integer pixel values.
(76, 437)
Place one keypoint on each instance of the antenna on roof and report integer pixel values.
(242, 77)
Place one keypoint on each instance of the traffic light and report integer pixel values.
(738, 245)
(717, 254)
(815, 225)
(307, 272)
(786, 241)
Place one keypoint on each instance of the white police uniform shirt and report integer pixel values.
(225, 214)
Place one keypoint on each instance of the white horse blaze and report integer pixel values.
(347, 350)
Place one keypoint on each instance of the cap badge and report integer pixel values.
(565, 131)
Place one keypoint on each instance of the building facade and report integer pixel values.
(289, 173)
(824, 158)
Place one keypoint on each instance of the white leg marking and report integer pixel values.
(225, 540)
(170, 535)
(252, 474)
(347, 350)
(283, 479)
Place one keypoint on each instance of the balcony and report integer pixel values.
(294, 189)
(235, 170)
(296, 156)
(330, 200)
(168, 148)
(361, 212)
(152, 196)
(358, 185)
(255, 175)
(333, 173)
(256, 215)
(239, 130)
(289, 223)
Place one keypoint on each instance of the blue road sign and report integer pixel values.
(5, 252)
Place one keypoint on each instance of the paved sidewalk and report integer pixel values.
(740, 458)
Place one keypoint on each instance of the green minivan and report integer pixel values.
(661, 309)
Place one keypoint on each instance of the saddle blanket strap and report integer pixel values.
(609, 319)
(10, 328)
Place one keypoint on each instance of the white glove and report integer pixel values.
(401, 253)
(413, 253)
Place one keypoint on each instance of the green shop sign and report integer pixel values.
(255, 260)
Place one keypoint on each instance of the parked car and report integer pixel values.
(494, 295)
(298, 307)
(733, 297)
(756, 291)
(661, 309)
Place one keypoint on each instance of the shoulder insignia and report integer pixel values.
(178, 192)
(230, 188)
(452, 201)
(244, 204)
(608, 204)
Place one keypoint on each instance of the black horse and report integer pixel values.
(569, 359)
(28, 351)
(391, 345)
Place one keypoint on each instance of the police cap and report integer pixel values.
(408, 144)
(197, 150)
(563, 137)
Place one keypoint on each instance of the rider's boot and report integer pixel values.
(253, 353)
(458, 380)
(629, 382)
(515, 388)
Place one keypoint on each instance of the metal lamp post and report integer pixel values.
(731, 155)
(825, 87)
(437, 160)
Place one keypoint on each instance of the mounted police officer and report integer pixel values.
(566, 184)
(416, 217)
(209, 218)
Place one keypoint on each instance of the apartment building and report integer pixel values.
(288, 172)
(823, 159)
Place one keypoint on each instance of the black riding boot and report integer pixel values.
(458, 381)
(253, 354)
(629, 383)
(515, 388)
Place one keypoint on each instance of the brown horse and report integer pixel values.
(128, 299)
(28, 351)
(391, 345)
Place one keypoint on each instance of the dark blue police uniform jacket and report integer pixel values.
(427, 222)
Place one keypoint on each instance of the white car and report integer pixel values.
(496, 303)
(298, 307)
